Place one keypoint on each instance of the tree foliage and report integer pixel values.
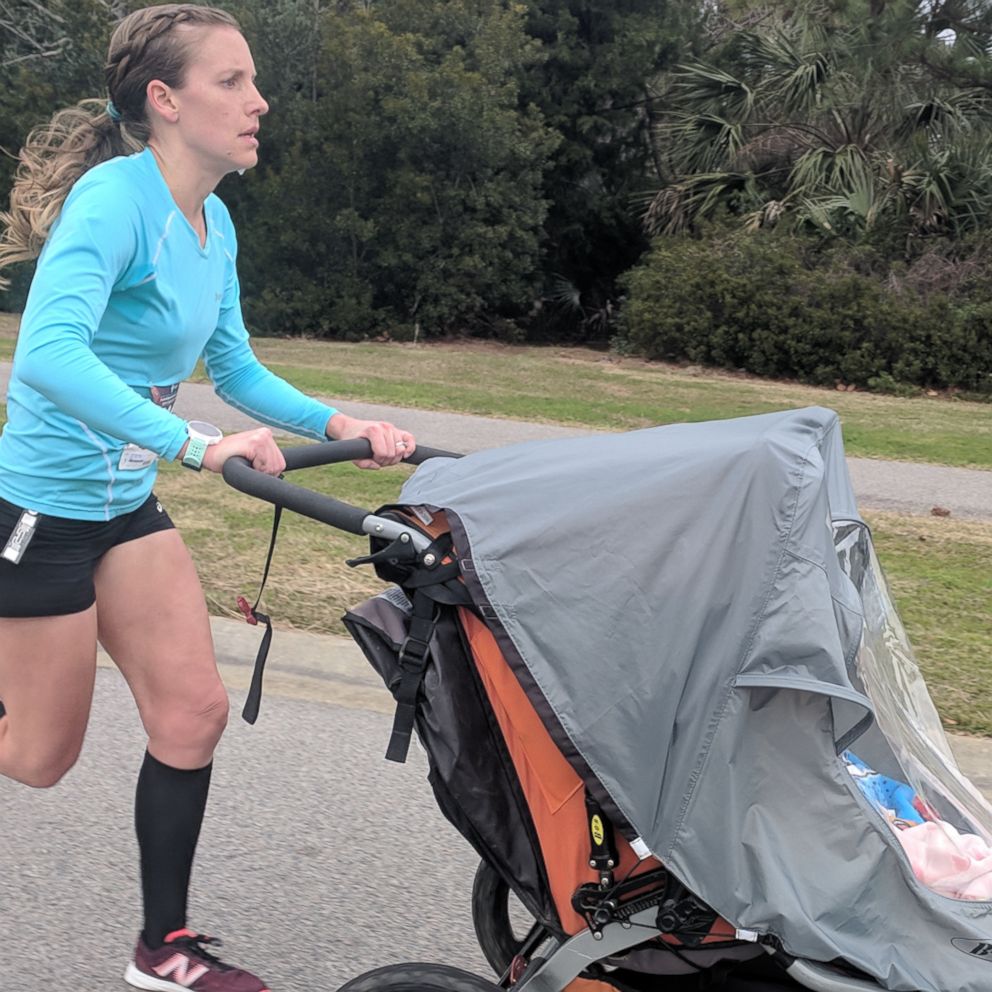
(774, 304)
(600, 57)
(867, 119)
(439, 166)
(400, 187)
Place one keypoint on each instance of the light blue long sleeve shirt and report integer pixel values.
(124, 302)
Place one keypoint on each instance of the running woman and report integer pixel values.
(135, 281)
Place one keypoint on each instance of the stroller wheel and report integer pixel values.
(416, 977)
(499, 939)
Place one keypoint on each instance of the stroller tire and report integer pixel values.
(491, 918)
(419, 977)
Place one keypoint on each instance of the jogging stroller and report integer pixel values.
(666, 697)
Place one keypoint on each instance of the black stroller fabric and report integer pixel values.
(470, 772)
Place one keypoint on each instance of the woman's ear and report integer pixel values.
(161, 101)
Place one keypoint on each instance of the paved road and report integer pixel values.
(318, 859)
(904, 487)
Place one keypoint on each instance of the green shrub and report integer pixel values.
(773, 305)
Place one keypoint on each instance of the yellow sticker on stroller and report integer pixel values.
(598, 833)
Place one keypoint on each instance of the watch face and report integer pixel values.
(201, 429)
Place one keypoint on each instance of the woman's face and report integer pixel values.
(219, 105)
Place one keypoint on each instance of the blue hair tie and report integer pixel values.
(113, 113)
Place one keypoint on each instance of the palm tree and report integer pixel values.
(856, 118)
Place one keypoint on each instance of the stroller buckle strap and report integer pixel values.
(399, 739)
(413, 657)
(603, 855)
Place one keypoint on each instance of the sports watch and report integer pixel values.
(201, 436)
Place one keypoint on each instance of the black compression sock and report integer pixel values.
(168, 812)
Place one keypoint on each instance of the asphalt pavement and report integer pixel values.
(902, 487)
(318, 859)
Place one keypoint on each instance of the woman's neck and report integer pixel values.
(188, 190)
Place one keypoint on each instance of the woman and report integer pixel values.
(135, 280)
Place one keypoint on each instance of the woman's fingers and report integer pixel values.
(257, 446)
(389, 444)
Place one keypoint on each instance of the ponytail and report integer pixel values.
(54, 156)
(151, 43)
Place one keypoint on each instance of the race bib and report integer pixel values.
(133, 456)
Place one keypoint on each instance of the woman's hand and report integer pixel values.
(389, 444)
(257, 445)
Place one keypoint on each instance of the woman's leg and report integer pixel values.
(153, 622)
(47, 671)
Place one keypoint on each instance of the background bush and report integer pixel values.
(776, 304)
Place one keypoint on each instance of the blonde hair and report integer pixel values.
(143, 47)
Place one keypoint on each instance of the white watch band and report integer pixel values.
(200, 436)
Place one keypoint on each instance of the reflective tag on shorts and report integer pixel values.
(134, 458)
(20, 536)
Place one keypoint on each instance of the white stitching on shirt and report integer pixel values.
(294, 427)
(165, 234)
(110, 469)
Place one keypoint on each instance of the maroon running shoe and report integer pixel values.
(183, 964)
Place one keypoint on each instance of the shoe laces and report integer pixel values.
(196, 945)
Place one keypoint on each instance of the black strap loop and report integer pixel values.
(414, 654)
(254, 699)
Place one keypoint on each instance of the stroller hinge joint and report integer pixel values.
(683, 915)
(600, 906)
(399, 550)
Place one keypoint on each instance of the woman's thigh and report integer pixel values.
(47, 641)
(153, 622)
(47, 671)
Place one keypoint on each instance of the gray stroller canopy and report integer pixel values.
(697, 613)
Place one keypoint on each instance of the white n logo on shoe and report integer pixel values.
(181, 970)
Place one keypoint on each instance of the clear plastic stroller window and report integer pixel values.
(942, 821)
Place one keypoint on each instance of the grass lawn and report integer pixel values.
(583, 387)
(940, 569)
(940, 575)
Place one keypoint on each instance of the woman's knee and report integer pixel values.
(214, 715)
(194, 725)
(41, 769)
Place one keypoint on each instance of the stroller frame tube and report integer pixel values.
(567, 959)
(554, 966)
(820, 978)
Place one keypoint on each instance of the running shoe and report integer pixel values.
(183, 964)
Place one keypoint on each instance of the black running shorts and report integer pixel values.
(55, 574)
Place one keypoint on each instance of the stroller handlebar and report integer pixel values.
(239, 474)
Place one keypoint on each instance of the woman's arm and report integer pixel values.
(241, 380)
(88, 251)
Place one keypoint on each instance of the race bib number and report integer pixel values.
(133, 456)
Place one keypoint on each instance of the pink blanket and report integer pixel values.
(951, 863)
